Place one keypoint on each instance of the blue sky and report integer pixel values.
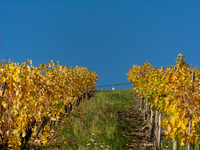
(106, 36)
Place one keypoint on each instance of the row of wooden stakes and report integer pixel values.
(154, 118)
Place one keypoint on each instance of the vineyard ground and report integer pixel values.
(111, 120)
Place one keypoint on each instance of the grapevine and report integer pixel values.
(35, 93)
(172, 93)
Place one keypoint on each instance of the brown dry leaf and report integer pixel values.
(191, 140)
(37, 141)
(169, 128)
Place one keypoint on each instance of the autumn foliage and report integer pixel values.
(173, 94)
(33, 93)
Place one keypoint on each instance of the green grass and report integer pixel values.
(96, 125)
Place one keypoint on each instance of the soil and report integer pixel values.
(137, 132)
(138, 129)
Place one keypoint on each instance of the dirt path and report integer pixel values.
(132, 122)
(139, 141)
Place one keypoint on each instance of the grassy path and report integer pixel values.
(110, 121)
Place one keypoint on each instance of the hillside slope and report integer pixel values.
(109, 120)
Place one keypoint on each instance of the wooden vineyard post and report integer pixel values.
(190, 122)
(151, 123)
(146, 105)
(156, 129)
(146, 111)
(175, 145)
(140, 103)
(189, 130)
(159, 130)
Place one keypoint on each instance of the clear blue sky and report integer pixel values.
(106, 36)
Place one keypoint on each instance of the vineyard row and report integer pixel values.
(31, 96)
(174, 93)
